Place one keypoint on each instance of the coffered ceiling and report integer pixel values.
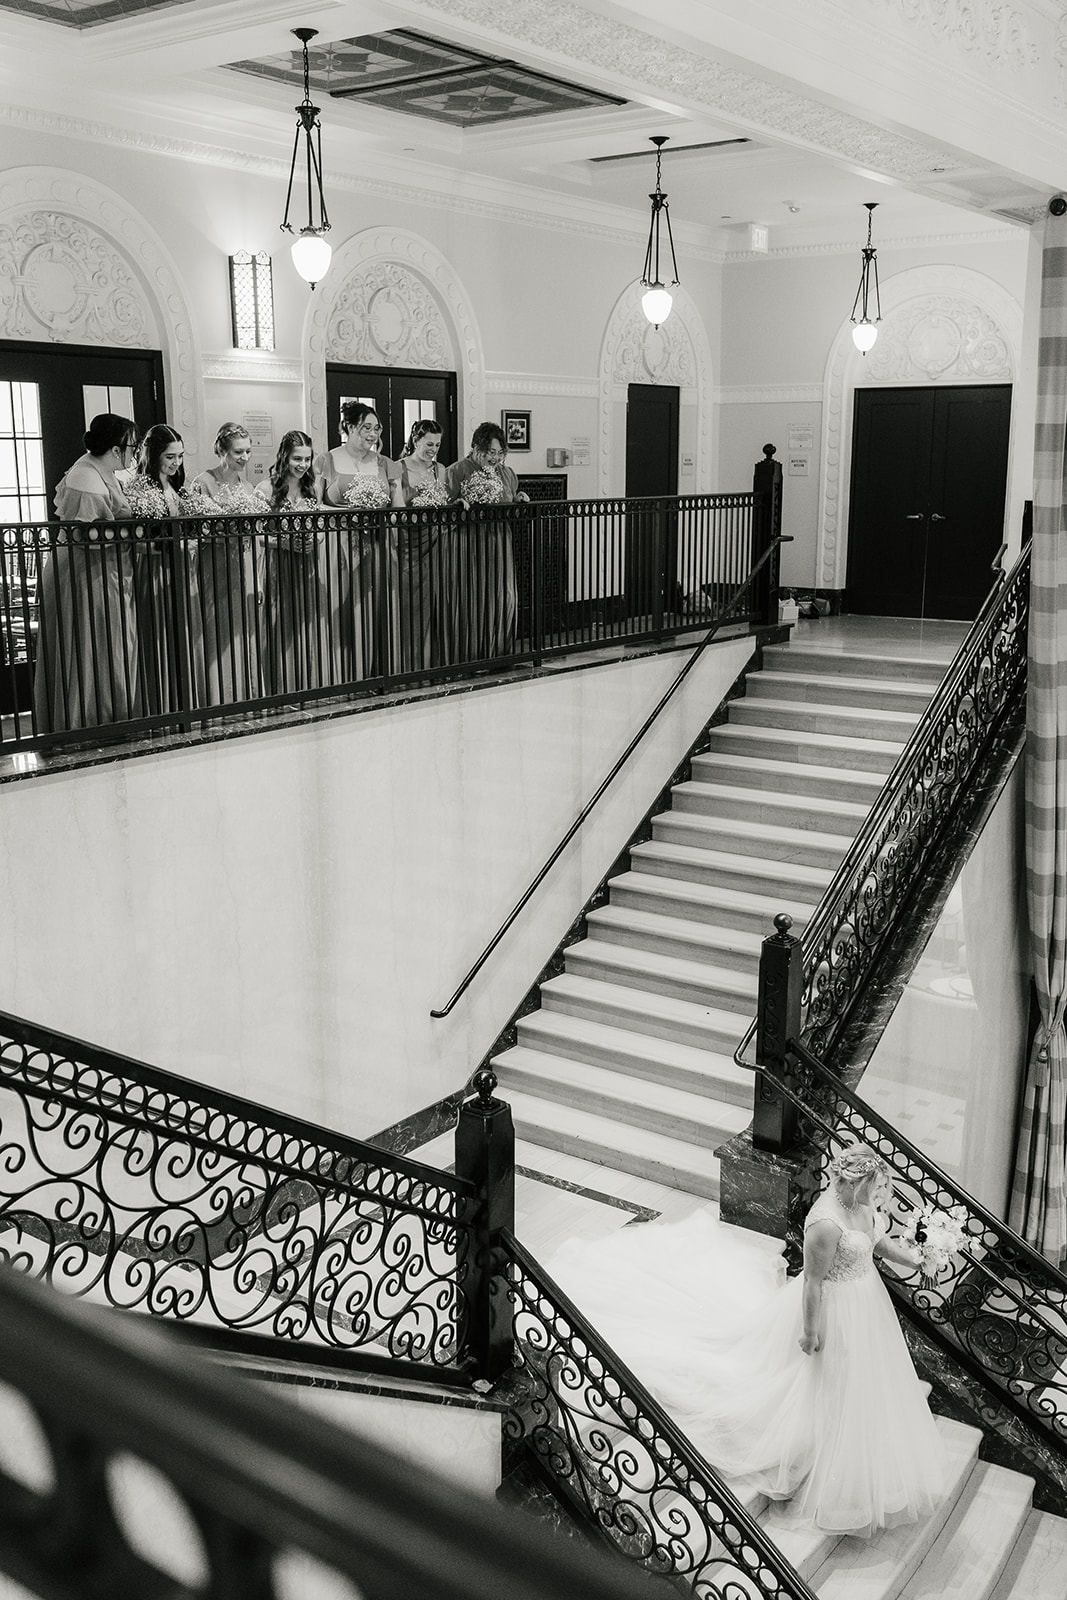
(551, 104)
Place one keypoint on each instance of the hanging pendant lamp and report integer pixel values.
(311, 250)
(865, 327)
(656, 302)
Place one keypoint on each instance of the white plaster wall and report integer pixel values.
(277, 914)
(781, 318)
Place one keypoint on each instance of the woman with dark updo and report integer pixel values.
(485, 604)
(88, 670)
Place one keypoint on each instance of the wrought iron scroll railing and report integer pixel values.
(983, 688)
(137, 627)
(129, 1468)
(126, 1185)
(607, 1449)
(997, 1303)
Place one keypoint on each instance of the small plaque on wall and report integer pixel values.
(798, 466)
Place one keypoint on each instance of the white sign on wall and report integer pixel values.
(801, 436)
(798, 466)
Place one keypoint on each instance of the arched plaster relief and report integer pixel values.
(940, 324)
(633, 351)
(391, 299)
(79, 265)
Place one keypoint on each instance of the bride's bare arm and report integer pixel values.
(820, 1243)
(901, 1255)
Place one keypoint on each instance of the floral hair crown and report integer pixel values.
(855, 1164)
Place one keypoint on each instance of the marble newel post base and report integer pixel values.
(768, 1193)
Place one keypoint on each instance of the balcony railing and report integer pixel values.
(124, 628)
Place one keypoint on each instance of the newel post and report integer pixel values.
(767, 525)
(485, 1156)
(781, 989)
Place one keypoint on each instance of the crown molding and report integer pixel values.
(1003, 233)
(768, 394)
(474, 196)
(251, 366)
(541, 383)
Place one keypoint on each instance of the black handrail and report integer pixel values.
(724, 616)
(266, 1482)
(645, 1488)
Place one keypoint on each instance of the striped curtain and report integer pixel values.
(1039, 1204)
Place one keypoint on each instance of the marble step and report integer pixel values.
(724, 908)
(671, 1162)
(795, 744)
(718, 767)
(699, 982)
(778, 808)
(880, 694)
(640, 1011)
(857, 722)
(636, 1055)
(807, 659)
(750, 837)
(1037, 1567)
(878, 1569)
(729, 869)
(698, 1119)
(973, 1548)
(675, 936)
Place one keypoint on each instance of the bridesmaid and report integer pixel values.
(170, 635)
(229, 573)
(87, 670)
(362, 578)
(485, 620)
(423, 547)
(291, 586)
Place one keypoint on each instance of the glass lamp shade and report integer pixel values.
(863, 335)
(311, 255)
(656, 304)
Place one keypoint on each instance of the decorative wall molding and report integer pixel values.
(989, 28)
(78, 264)
(588, 219)
(391, 299)
(633, 351)
(943, 325)
(996, 233)
(768, 394)
(248, 366)
(632, 55)
(541, 383)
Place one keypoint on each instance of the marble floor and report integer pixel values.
(913, 638)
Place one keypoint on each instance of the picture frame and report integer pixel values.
(516, 426)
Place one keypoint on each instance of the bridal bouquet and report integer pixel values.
(482, 489)
(936, 1236)
(146, 499)
(367, 494)
(431, 494)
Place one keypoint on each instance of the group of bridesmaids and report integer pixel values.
(129, 626)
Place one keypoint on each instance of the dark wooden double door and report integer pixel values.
(400, 396)
(929, 473)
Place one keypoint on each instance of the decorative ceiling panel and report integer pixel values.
(423, 77)
(85, 13)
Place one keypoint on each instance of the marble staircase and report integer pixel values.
(984, 1542)
(628, 1061)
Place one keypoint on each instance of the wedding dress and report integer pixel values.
(702, 1318)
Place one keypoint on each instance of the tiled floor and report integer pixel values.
(911, 637)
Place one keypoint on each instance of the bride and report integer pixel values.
(806, 1391)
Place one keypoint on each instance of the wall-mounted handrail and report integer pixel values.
(724, 616)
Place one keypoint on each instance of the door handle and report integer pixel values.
(915, 516)
(935, 516)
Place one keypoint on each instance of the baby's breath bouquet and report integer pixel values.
(483, 489)
(367, 494)
(936, 1237)
(430, 494)
(193, 504)
(146, 498)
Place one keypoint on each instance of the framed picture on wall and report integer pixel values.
(516, 426)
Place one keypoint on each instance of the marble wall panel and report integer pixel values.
(276, 914)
